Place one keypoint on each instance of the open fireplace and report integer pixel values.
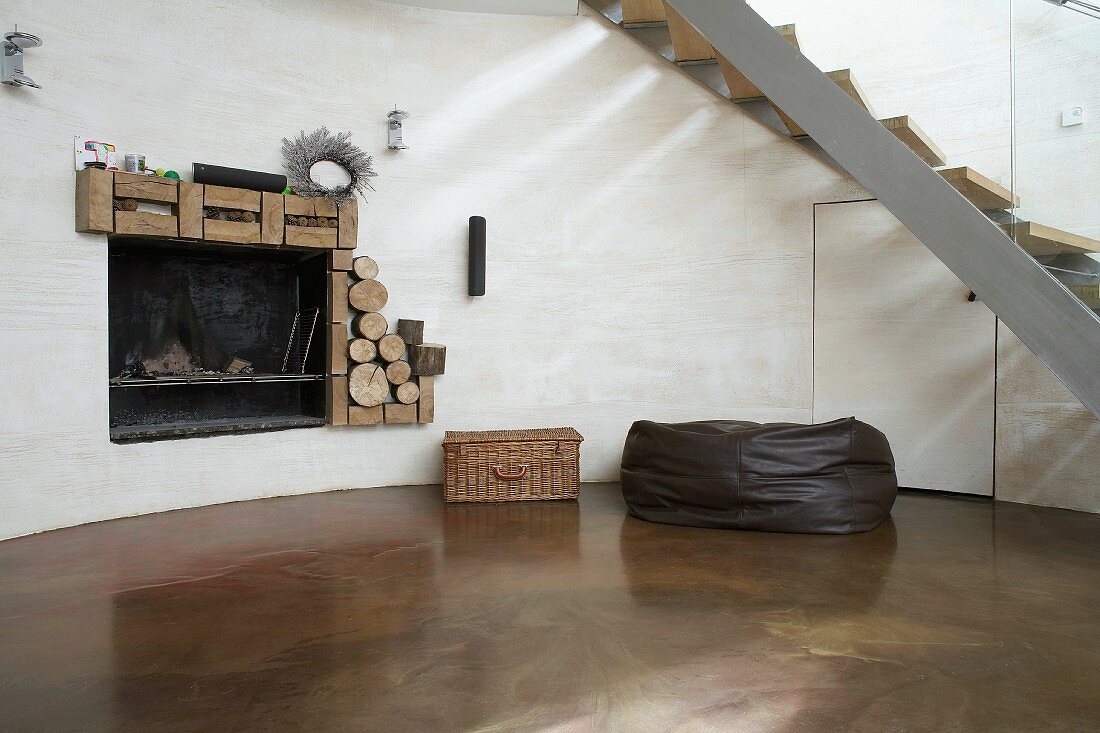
(208, 339)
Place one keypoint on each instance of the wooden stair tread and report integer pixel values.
(843, 79)
(688, 44)
(1089, 294)
(1039, 240)
(979, 190)
(909, 133)
(740, 88)
(643, 11)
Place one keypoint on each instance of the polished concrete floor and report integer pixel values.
(385, 610)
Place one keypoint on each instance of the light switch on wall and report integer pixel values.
(1073, 116)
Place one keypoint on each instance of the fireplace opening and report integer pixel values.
(209, 339)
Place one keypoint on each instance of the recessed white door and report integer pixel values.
(897, 345)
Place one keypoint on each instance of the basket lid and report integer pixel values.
(503, 436)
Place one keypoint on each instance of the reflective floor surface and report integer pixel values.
(386, 610)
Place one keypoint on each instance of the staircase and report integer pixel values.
(964, 217)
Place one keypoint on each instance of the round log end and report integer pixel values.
(398, 372)
(371, 325)
(391, 347)
(362, 350)
(367, 385)
(365, 268)
(369, 296)
(407, 393)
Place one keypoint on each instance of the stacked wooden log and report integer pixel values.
(391, 377)
(217, 214)
(327, 222)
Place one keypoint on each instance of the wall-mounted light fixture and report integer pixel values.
(396, 140)
(12, 72)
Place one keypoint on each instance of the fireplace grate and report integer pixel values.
(301, 338)
(212, 379)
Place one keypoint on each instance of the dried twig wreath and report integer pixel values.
(307, 150)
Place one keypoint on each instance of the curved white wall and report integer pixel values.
(516, 7)
(650, 246)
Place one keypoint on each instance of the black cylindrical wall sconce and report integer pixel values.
(477, 255)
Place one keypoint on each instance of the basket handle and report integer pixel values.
(503, 475)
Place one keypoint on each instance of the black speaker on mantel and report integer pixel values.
(217, 175)
(477, 255)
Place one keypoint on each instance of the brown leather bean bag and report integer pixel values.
(833, 478)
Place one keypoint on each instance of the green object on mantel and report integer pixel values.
(287, 191)
(172, 174)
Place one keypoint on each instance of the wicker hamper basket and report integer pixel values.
(512, 465)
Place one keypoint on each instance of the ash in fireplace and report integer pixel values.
(175, 359)
(171, 365)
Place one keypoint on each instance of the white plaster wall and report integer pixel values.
(1047, 441)
(897, 344)
(519, 7)
(944, 62)
(650, 246)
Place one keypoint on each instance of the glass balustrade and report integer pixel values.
(1055, 146)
